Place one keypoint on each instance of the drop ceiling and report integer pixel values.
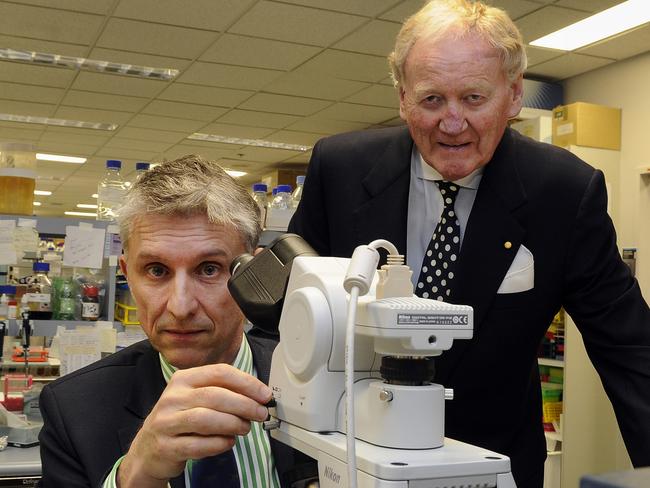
(288, 71)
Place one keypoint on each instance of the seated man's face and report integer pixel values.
(178, 268)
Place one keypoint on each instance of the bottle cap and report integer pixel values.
(260, 187)
(114, 163)
(275, 191)
(141, 166)
(7, 290)
(300, 180)
(41, 267)
(91, 291)
(284, 188)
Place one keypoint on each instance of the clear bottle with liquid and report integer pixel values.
(39, 293)
(282, 199)
(297, 193)
(140, 169)
(110, 191)
(259, 195)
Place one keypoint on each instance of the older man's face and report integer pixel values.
(178, 268)
(456, 101)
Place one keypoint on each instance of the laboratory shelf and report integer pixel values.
(557, 363)
(48, 327)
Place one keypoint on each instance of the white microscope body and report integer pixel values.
(399, 430)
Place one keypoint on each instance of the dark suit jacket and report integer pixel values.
(533, 194)
(92, 415)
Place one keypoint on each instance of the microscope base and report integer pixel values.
(452, 465)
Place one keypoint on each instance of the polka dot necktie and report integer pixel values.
(437, 274)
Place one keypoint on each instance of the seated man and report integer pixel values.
(194, 389)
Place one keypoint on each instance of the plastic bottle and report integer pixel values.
(140, 169)
(66, 301)
(297, 193)
(282, 199)
(259, 195)
(90, 303)
(39, 294)
(110, 191)
(4, 307)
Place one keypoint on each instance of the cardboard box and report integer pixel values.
(587, 124)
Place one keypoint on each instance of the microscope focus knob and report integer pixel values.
(386, 395)
(449, 393)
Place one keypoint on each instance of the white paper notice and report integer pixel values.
(84, 247)
(78, 348)
(7, 248)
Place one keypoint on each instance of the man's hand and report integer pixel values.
(198, 415)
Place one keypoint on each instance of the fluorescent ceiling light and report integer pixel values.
(86, 205)
(72, 62)
(81, 214)
(248, 142)
(622, 17)
(45, 193)
(37, 204)
(235, 174)
(60, 159)
(29, 119)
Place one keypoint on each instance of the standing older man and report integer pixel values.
(195, 388)
(490, 219)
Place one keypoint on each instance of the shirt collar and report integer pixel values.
(242, 362)
(427, 172)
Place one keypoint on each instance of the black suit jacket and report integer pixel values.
(534, 194)
(92, 415)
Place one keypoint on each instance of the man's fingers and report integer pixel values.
(197, 446)
(225, 376)
(207, 422)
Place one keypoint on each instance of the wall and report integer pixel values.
(625, 85)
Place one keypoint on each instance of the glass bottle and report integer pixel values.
(110, 191)
(90, 303)
(282, 199)
(66, 302)
(297, 193)
(259, 195)
(39, 293)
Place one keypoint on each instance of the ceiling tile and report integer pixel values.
(267, 102)
(569, 65)
(211, 153)
(30, 93)
(299, 159)
(516, 8)
(26, 108)
(347, 65)
(294, 137)
(118, 153)
(622, 46)
(11, 134)
(49, 24)
(295, 24)
(537, 55)
(259, 53)
(202, 14)
(381, 95)
(150, 135)
(212, 145)
(163, 40)
(402, 10)
(87, 140)
(29, 74)
(376, 37)
(116, 84)
(589, 5)
(166, 123)
(124, 143)
(94, 7)
(76, 98)
(257, 119)
(54, 169)
(183, 110)
(227, 76)
(59, 147)
(547, 20)
(222, 97)
(92, 115)
(358, 7)
(240, 131)
(358, 113)
(316, 86)
(320, 125)
(43, 46)
(265, 155)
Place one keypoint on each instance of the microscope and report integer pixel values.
(352, 373)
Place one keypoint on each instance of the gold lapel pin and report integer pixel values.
(507, 244)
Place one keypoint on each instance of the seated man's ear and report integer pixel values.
(123, 266)
(255, 253)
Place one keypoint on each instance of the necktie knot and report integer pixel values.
(449, 192)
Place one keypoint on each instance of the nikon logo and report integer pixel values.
(332, 475)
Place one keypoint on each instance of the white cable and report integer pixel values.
(389, 246)
(349, 387)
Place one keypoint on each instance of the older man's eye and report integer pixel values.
(156, 271)
(210, 269)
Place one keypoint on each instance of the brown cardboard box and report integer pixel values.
(587, 124)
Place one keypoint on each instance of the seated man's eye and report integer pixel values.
(210, 269)
(156, 271)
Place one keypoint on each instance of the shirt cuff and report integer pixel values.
(111, 479)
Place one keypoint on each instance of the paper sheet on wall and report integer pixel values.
(78, 348)
(84, 247)
(7, 249)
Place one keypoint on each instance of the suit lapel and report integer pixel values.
(387, 188)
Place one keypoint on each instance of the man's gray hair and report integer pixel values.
(189, 186)
(461, 17)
